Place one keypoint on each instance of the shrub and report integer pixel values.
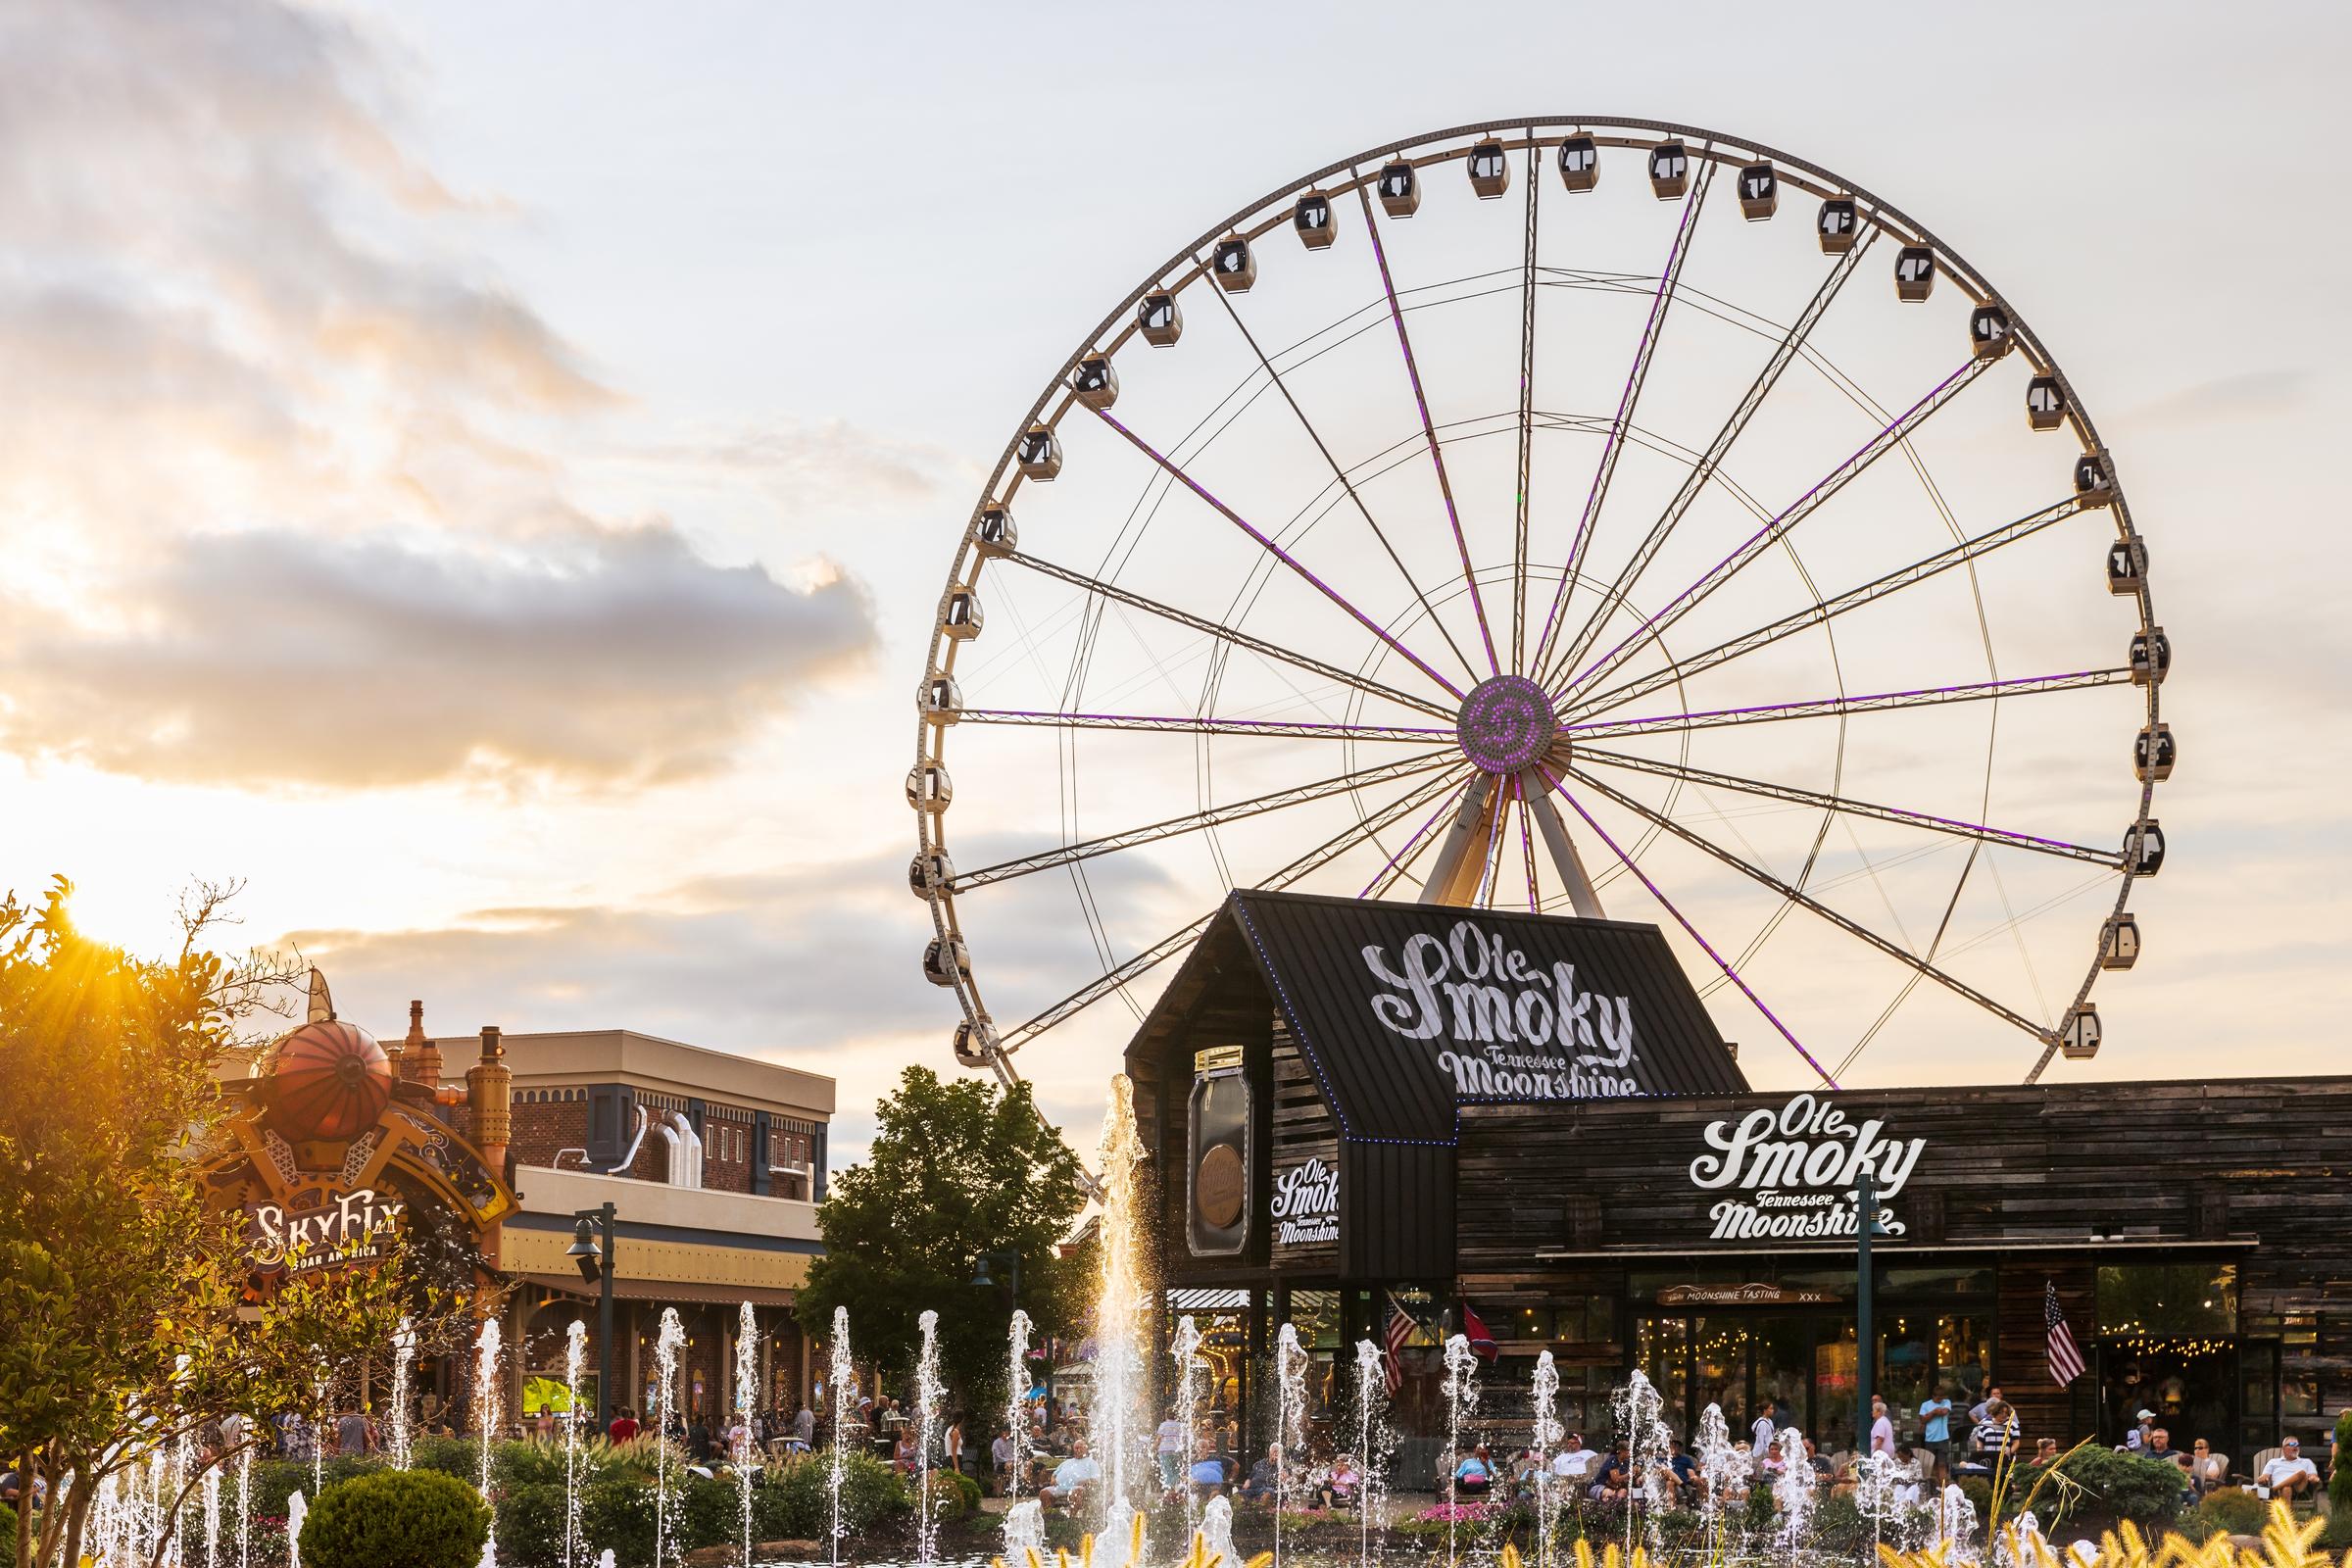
(276, 1480)
(948, 1499)
(797, 1505)
(2144, 1490)
(2234, 1512)
(8, 1526)
(2339, 1484)
(712, 1514)
(530, 1524)
(460, 1457)
(619, 1516)
(396, 1519)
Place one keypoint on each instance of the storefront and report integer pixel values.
(1358, 1109)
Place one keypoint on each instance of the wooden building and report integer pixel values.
(1358, 1109)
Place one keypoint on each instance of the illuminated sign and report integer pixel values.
(324, 1226)
(1796, 1172)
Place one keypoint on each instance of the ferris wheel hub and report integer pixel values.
(1506, 723)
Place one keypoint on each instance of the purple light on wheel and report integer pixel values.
(1506, 723)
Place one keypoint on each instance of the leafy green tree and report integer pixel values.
(120, 1288)
(956, 1169)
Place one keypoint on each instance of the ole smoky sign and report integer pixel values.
(1507, 1028)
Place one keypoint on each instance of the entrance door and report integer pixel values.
(1782, 1348)
(2258, 1401)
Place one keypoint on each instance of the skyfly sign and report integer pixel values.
(1408, 1009)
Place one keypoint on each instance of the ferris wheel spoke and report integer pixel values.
(1615, 445)
(1527, 409)
(1695, 481)
(1401, 863)
(1177, 826)
(1832, 707)
(1277, 553)
(1757, 873)
(1812, 500)
(1437, 453)
(1346, 483)
(1817, 615)
(1178, 725)
(1227, 634)
(2110, 858)
(1168, 947)
(1556, 784)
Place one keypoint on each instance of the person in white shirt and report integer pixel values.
(1761, 1432)
(1881, 1428)
(2291, 1474)
(1073, 1477)
(739, 1442)
(1575, 1462)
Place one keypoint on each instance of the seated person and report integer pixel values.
(1474, 1477)
(2159, 1446)
(1820, 1465)
(1909, 1464)
(1687, 1478)
(1004, 1453)
(1208, 1474)
(1615, 1480)
(2290, 1475)
(1340, 1481)
(1774, 1464)
(1071, 1477)
(1265, 1477)
(1575, 1462)
(2206, 1468)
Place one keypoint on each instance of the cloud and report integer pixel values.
(275, 655)
(292, 490)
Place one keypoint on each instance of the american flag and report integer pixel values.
(1400, 1328)
(2065, 1362)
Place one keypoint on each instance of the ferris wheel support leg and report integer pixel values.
(1456, 876)
(1565, 859)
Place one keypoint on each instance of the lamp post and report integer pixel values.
(596, 1267)
(1866, 1212)
(982, 1282)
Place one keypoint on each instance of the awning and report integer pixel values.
(668, 1291)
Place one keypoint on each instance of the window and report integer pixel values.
(2169, 1299)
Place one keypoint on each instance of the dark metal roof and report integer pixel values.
(1366, 987)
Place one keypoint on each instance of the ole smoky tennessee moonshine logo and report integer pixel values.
(1514, 1030)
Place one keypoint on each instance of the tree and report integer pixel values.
(956, 1169)
(121, 1290)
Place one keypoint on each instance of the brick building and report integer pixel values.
(714, 1162)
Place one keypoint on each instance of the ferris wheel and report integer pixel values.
(1534, 514)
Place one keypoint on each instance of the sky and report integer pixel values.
(483, 477)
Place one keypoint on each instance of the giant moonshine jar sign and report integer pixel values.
(1796, 1172)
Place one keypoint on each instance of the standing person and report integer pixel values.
(951, 1445)
(546, 1425)
(1993, 1397)
(1761, 1433)
(623, 1428)
(739, 1442)
(804, 1428)
(1936, 1412)
(1881, 1428)
(1994, 1436)
(1171, 1452)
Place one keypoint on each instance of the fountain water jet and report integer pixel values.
(212, 1515)
(1016, 1385)
(1024, 1531)
(1371, 1399)
(1186, 1351)
(404, 1358)
(1793, 1491)
(244, 1497)
(927, 1393)
(666, 1345)
(747, 1385)
(1118, 1388)
(1546, 1431)
(489, 1418)
(1289, 1422)
(1720, 1461)
(1216, 1532)
(843, 1371)
(1638, 1406)
(1461, 1399)
(297, 1510)
(575, 1351)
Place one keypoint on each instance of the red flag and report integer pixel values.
(1400, 1328)
(1481, 1344)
